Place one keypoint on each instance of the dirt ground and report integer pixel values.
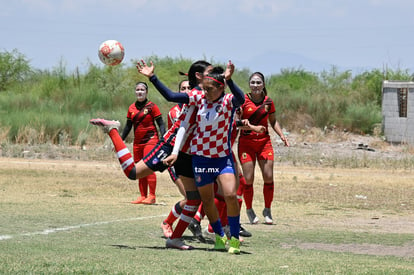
(325, 144)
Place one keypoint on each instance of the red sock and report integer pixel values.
(221, 208)
(143, 186)
(124, 156)
(174, 214)
(200, 213)
(152, 183)
(268, 190)
(248, 195)
(240, 190)
(242, 184)
(186, 216)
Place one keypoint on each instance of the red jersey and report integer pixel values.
(143, 121)
(257, 114)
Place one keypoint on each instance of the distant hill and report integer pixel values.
(272, 62)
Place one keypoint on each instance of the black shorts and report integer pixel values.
(155, 157)
(184, 165)
(173, 174)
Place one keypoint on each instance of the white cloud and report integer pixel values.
(269, 7)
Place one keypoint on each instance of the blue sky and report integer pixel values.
(259, 35)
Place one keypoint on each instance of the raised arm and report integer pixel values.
(238, 98)
(169, 95)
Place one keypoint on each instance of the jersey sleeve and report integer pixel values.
(129, 113)
(186, 120)
(156, 111)
(194, 96)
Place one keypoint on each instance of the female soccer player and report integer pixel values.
(173, 116)
(259, 109)
(154, 160)
(210, 146)
(145, 117)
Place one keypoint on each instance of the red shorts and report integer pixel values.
(141, 150)
(252, 150)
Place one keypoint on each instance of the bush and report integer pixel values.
(14, 68)
(54, 103)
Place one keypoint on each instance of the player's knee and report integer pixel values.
(132, 175)
(193, 195)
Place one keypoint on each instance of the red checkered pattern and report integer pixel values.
(213, 124)
(173, 115)
(188, 115)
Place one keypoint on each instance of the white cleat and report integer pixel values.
(252, 216)
(268, 216)
(178, 244)
(107, 125)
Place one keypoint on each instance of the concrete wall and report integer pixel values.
(397, 129)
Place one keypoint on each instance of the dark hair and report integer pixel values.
(263, 79)
(181, 82)
(197, 67)
(143, 83)
(217, 74)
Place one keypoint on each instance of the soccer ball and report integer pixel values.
(111, 52)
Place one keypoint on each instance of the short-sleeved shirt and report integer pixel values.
(257, 114)
(214, 123)
(188, 115)
(143, 119)
(174, 114)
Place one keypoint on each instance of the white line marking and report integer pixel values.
(67, 228)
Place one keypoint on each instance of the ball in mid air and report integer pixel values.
(111, 52)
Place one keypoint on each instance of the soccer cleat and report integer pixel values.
(208, 231)
(252, 216)
(139, 200)
(178, 244)
(166, 229)
(268, 216)
(149, 200)
(234, 246)
(107, 125)
(195, 228)
(244, 232)
(220, 243)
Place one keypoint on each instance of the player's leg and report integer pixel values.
(247, 158)
(176, 210)
(151, 178)
(191, 206)
(266, 166)
(228, 184)
(131, 170)
(240, 191)
(183, 168)
(265, 160)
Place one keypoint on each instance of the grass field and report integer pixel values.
(74, 217)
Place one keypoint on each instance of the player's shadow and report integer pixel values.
(188, 239)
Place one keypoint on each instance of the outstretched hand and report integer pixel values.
(144, 69)
(229, 70)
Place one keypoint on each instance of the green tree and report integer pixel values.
(14, 67)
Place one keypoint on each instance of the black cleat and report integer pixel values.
(244, 232)
(195, 228)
